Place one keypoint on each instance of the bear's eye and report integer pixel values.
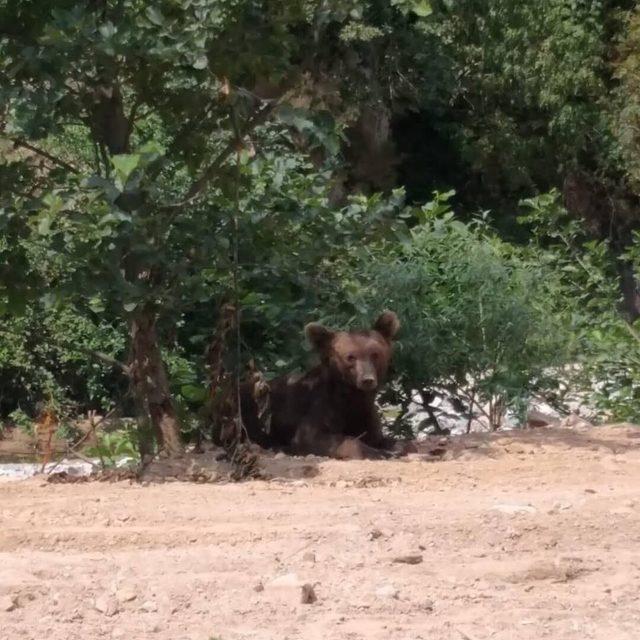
(351, 357)
(375, 355)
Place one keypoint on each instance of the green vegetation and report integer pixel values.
(160, 160)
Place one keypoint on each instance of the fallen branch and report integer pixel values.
(72, 449)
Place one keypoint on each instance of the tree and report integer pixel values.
(128, 114)
(134, 127)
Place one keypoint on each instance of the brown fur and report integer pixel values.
(329, 410)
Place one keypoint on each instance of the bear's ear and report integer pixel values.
(387, 325)
(319, 336)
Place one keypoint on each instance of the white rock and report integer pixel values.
(513, 509)
(149, 606)
(106, 604)
(387, 592)
(126, 594)
(8, 603)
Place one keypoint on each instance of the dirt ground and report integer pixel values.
(528, 536)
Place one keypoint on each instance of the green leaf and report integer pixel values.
(129, 306)
(107, 30)
(96, 304)
(155, 16)
(422, 8)
(125, 164)
(193, 393)
(44, 226)
(201, 62)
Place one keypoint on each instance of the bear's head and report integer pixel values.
(360, 358)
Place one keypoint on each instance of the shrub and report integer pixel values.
(480, 318)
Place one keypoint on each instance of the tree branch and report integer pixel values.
(98, 355)
(210, 172)
(45, 154)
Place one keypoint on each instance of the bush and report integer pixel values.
(43, 358)
(480, 318)
(587, 274)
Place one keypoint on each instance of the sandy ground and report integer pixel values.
(528, 536)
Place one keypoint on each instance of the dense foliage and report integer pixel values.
(160, 160)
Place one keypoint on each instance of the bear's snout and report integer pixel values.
(368, 383)
(366, 375)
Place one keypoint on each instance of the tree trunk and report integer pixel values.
(151, 385)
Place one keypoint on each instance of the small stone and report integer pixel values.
(374, 534)
(107, 605)
(126, 594)
(428, 605)
(149, 606)
(308, 595)
(410, 559)
(280, 455)
(513, 509)
(387, 592)
(309, 556)
(258, 587)
(8, 603)
(560, 506)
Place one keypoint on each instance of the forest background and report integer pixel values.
(471, 164)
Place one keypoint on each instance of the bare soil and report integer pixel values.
(524, 536)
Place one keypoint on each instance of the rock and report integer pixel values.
(149, 606)
(287, 580)
(8, 603)
(309, 556)
(387, 592)
(537, 419)
(374, 534)
(280, 455)
(574, 421)
(560, 506)
(410, 559)
(258, 587)
(307, 595)
(107, 605)
(126, 594)
(428, 605)
(513, 509)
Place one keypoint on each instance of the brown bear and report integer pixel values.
(329, 410)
